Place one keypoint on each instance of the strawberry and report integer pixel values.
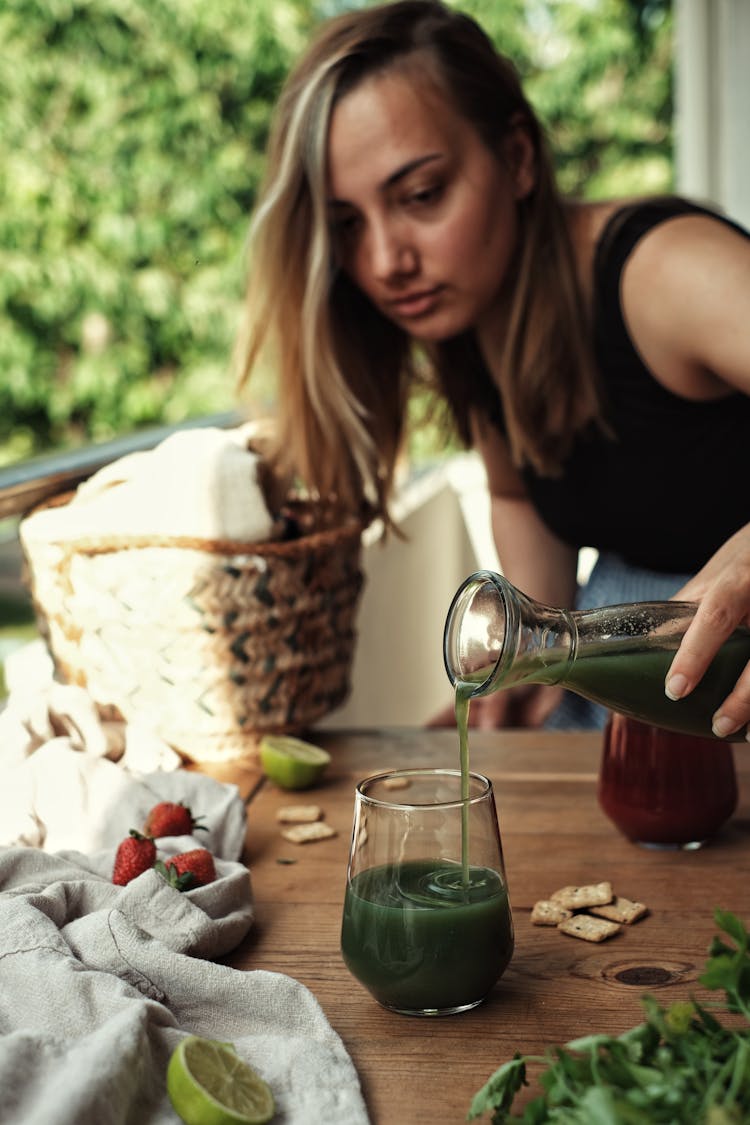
(170, 819)
(189, 869)
(135, 854)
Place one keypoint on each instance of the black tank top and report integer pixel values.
(673, 484)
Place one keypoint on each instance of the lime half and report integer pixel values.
(290, 762)
(209, 1084)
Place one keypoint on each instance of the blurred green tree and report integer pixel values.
(132, 146)
(599, 73)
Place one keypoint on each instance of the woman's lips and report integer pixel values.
(416, 304)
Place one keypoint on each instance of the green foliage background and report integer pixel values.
(132, 146)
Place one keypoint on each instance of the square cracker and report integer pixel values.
(547, 913)
(621, 910)
(587, 928)
(396, 783)
(306, 833)
(579, 898)
(298, 814)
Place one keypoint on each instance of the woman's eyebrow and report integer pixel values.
(409, 167)
(396, 176)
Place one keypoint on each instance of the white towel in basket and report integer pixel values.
(200, 483)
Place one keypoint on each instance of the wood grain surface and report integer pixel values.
(556, 988)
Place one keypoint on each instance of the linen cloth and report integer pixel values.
(98, 983)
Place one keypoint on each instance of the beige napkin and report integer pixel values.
(62, 770)
(98, 982)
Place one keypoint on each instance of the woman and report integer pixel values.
(596, 354)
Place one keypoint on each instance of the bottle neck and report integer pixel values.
(540, 644)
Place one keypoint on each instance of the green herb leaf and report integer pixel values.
(683, 1066)
(498, 1093)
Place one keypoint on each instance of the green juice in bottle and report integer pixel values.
(496, 637)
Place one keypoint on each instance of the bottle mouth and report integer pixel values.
(474, 638)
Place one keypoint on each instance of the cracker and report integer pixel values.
(620, 910)
(396, 783)
(299, 814)
(579, 898)
(546, 913)
(588, 928)
(306, 833)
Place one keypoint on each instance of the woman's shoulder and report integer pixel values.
(626, 224)
(678, 280)
(605, 232)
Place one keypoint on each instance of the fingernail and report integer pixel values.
(722, 726)
(675, 686)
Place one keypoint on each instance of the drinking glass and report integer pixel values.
(427, 925)
(663, 789)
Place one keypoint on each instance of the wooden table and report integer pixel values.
(556, 987)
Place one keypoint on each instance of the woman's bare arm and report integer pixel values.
(531, 556)
(686, 298)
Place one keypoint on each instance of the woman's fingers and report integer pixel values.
(446, 717)
(715, 619)
(490, 712)
(540, 705)
(734, 712)
(486, 713)
(527, 706)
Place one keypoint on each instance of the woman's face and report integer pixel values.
(423, 216)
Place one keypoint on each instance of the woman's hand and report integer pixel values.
(722, 589)
(527, 706)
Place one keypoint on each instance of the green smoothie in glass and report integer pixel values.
(427, 926)
(420, 940)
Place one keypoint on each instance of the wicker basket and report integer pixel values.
(209, 644)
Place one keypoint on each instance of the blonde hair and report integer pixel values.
(345, 371)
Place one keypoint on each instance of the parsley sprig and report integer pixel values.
(682, 1066)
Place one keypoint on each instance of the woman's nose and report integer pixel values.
(391, 252)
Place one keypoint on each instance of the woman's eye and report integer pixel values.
(425, 196)
(344, 227)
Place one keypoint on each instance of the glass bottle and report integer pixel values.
(618, 655)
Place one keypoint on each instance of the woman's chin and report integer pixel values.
(432, 330)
